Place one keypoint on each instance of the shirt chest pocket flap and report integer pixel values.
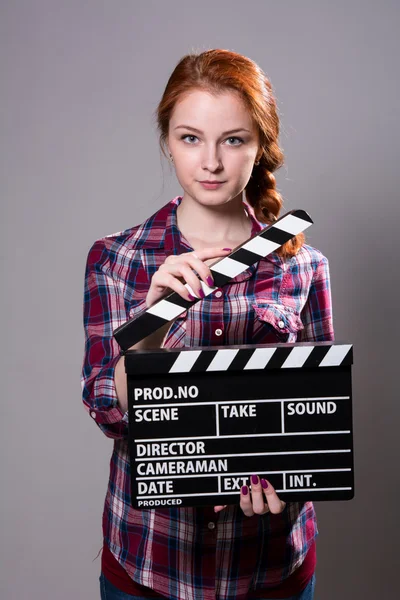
(275, 322)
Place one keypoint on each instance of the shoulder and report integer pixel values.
(149, 232)
(110, 249)
(310, 257)
(310, 264)
(124, 245)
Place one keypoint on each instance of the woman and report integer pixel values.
(218, 120)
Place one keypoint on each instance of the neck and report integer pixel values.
(225, 225)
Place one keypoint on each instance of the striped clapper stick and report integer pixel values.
(223, 271)
(205, 419)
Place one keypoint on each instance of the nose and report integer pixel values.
(211, 160)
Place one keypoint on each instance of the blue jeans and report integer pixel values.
(110, 592)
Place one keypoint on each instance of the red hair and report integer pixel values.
(217, 71)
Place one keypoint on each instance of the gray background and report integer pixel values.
(79, 159)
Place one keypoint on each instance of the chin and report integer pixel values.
(211, 197)
(214, 200)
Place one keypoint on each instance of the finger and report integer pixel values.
(194, 260)
(260, 507)
(195, 287)
(203, 270)
(194, 268)
(164, 280)
(191, 281)
(245, 501)
(214, 252)
(203, 254)
(184, 275)
(276, 505)
(219, 508)
(202, 267)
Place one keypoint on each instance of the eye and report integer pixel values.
(235, 138)
(187, 136)
(240, 140)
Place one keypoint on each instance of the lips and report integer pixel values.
(211, 186)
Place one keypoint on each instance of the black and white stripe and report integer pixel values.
(266, 241)
(261, 357)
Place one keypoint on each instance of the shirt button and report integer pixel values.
(218, 294)
(93, 414)
(218, 332)
(211, 525)
(281, 324)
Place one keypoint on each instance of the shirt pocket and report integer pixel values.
(275, 322)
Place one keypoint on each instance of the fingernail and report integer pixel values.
(254, 479)
(191, 297)
(245, 490)
(264, 484)
(201, 293)
(226, 248)
(210, 281)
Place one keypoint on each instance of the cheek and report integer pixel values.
(183, 166)
(243, 161)
(243, 167)
(186, 163)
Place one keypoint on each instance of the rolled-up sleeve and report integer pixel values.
(103, 311)
(317, 312)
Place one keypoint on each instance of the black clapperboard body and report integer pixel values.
(202, 420)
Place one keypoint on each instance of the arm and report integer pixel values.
(152, 341)
(104, 310)
(317, 312)
(103, 376)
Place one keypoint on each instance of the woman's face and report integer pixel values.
(212, 138)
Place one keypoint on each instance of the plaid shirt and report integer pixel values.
(192, 553)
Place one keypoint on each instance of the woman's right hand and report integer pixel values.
(178, 270)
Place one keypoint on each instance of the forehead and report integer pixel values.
(209, 112)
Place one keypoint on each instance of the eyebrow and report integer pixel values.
(224, 133)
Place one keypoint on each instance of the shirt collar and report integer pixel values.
(174, 238)
(163, 231)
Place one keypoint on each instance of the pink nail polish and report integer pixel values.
(210, 281)
(226, 248)
(201, 293)
(264, 484)
(254, 479)
(245, 490)
(191, 297)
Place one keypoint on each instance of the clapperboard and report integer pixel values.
(203, 420)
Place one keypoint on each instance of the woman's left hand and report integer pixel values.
(263, 499)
